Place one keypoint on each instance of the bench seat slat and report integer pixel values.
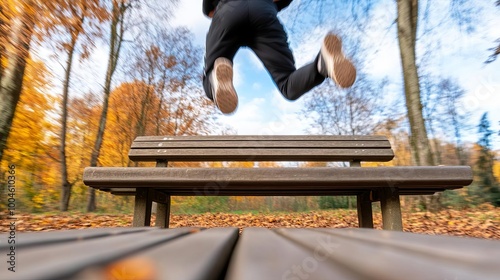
(29, 239)
(467, 250)
(202, 255)
(417, 257)
(253, 154)
(278, 178)
(66, 259)
(263, 254)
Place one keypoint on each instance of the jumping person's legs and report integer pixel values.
(254, 23)
(224, 38)
(333, 63)
(221, 84)
(270, 44)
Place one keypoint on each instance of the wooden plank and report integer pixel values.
(452, 248)
(261, 154)
(214, 179)
(28, 239)
(62, 261)
(262, 138)
(202, 255)
(261, 144)
(416, 256)
(263, 254)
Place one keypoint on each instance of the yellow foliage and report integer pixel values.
(28, 146)
(38, 201)
(123, 125)
(241, 164)
(307, 164)
(30, 126)
(496, 170)
(82, 127)
(399, 143)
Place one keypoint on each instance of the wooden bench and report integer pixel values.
(383, 184)
(258, 253)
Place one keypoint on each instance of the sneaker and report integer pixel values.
(223, 91)
(333, 63)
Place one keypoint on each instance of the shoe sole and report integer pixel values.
(225, 96)
(340, 69)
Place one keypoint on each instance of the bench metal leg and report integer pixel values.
(365, 214)
(163, 213)
(391, 209)
(142, 209)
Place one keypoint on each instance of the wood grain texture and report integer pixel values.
(258, 253)
(260, 154)
(278, 178)
(209, 138)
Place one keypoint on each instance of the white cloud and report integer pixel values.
(306, 49)
(288, 115)
(268, 116)
(189, 14)
(238, 79)
(248, 118)
(256, 86)
(384, 63)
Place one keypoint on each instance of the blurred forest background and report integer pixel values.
(50, 131)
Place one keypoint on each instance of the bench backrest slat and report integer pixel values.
(261, 144)
(261, 148)
(209, 138)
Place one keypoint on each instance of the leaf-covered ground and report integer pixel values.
(482, 223)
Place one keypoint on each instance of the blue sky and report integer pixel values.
(262, 109)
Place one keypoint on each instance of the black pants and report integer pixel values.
(254, 23)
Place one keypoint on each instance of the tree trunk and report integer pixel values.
(12, 78)
(3, 39)
(66, 185)
(140, 129)
(458, 140)
(116, 39)
(407, 29)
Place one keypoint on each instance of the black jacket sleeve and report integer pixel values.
(283, 4)
(209, 5)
